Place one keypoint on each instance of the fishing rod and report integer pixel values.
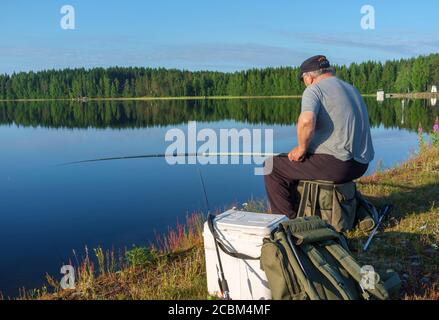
(222, 281)
(165, 155)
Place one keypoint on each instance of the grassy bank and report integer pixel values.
(174, 268)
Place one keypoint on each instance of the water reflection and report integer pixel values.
(405, 114)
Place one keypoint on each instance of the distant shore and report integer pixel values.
(85, 99)
(414, 95)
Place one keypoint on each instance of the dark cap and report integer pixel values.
(313, 64)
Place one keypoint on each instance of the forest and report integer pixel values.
(405, 75)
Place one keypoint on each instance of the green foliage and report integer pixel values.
(421, 139)
(403, 75)
(435, 133)
(420, 74)
(140, 256)
(435, 139)
(403, 82)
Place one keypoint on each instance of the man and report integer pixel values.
(333, 132)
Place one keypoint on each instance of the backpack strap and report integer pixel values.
(293, 286)
(303, 199)
(307, 231)
(304, 282)
(354, 269)
(327, 270)
(310, 230)
(314, 198)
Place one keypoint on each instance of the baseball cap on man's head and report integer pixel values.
(313, 64)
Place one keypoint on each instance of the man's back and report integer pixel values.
(333, 140)
(342, 121)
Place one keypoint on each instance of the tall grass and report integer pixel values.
(171, 268)
(183, 236)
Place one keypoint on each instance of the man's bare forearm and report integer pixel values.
(305, 131)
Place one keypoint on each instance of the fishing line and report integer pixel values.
(222, 282)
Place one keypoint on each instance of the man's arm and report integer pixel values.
(305, 131)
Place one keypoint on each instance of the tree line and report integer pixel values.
(403, 75)
(139, 114)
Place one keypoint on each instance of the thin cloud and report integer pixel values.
(249, 54)
(389, 44)
(196, 56)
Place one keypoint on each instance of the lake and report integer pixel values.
(47, 211)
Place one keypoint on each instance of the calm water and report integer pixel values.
(46, 211)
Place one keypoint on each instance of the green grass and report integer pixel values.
(410, 239)
(175, 269)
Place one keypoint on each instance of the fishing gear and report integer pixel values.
(222, 282)
(383, 212)
(165, 155)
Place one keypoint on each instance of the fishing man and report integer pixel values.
(333, 133)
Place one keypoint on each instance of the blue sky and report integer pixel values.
(223, 35)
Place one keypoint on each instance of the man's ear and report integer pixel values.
(310, 80)
(304, 81)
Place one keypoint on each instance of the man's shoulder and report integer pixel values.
(347, 85)
(312, 90)
(338, 85)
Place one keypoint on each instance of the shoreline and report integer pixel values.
(415, 95)
(153, 98)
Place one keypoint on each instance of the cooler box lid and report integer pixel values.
(252, 223)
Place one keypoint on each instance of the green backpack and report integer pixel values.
(340, 205)
(305, 258)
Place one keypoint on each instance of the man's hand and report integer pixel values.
(297, 154)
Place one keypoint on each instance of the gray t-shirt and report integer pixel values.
(342, 121)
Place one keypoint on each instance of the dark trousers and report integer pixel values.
(281, 183)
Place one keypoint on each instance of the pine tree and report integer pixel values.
(420, 75)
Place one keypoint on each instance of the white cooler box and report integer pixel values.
(240, 232)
